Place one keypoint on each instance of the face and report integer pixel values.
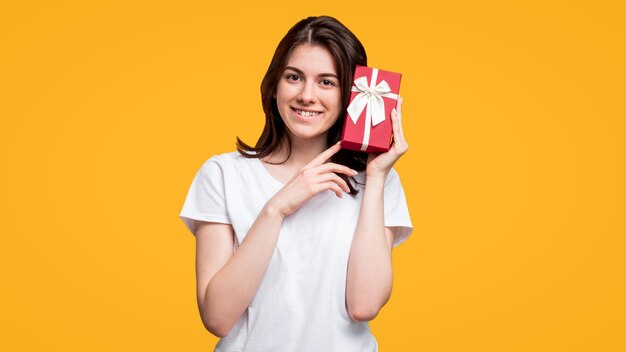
(308, 93)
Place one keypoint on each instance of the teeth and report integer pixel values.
(307, 113)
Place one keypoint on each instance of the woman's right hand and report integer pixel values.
(313, 178)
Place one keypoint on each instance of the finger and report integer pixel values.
(325, 155)
(395, 125)
(333, 167)
(399, 115)
(401, 138)
(398, 135)
(400, 119)
(332, 187)
(334, 178)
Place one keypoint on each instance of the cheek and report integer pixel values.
(285, 91)
(334, 100)
(280, 92)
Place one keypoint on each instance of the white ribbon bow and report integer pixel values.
(370, 96)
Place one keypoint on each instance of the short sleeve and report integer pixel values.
(396, 209)
(206, 199)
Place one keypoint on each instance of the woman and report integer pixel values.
(283, 264)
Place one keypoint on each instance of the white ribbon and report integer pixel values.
(370, 96)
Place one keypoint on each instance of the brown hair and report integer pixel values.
(347, 52)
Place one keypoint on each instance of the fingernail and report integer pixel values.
(354, 171)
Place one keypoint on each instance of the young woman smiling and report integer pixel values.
(284, 260)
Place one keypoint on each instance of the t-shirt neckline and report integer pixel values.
(267, 174)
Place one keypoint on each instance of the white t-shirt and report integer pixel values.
(300, 303)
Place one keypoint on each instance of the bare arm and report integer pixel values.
(226, 281)
(369, 275)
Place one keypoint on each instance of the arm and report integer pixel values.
(369, 277)
(227, 281)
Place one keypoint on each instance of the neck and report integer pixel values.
(302, 151)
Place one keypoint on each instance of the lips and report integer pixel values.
(306, 114)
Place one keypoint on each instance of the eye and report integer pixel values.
(293, 77)
(328, 82)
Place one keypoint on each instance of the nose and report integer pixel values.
(307, 93)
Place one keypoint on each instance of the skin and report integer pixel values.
(227, 280)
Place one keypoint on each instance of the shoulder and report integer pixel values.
(392, 174)
(393, 184)
(226, 159)
(392, 177)
(229, 166)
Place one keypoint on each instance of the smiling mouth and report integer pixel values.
(305, 113)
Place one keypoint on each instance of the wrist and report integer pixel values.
(272, 210)
(375, 178)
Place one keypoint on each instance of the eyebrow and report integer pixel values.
(320, 75)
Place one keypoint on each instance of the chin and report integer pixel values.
(303, 133)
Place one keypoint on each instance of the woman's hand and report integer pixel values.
(313, 178)
(379, 165)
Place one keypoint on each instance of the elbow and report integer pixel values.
(215, 322)
(363, 313)
(216, 328)
(363, 308)
(217, 332)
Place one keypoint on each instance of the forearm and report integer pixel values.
(369, 276)
(232, 289)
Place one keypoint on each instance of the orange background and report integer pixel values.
(515, 176)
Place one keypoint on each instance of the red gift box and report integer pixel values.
(367, 126)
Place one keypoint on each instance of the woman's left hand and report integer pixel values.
(378, 165)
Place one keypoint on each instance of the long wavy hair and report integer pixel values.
(347, 52)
